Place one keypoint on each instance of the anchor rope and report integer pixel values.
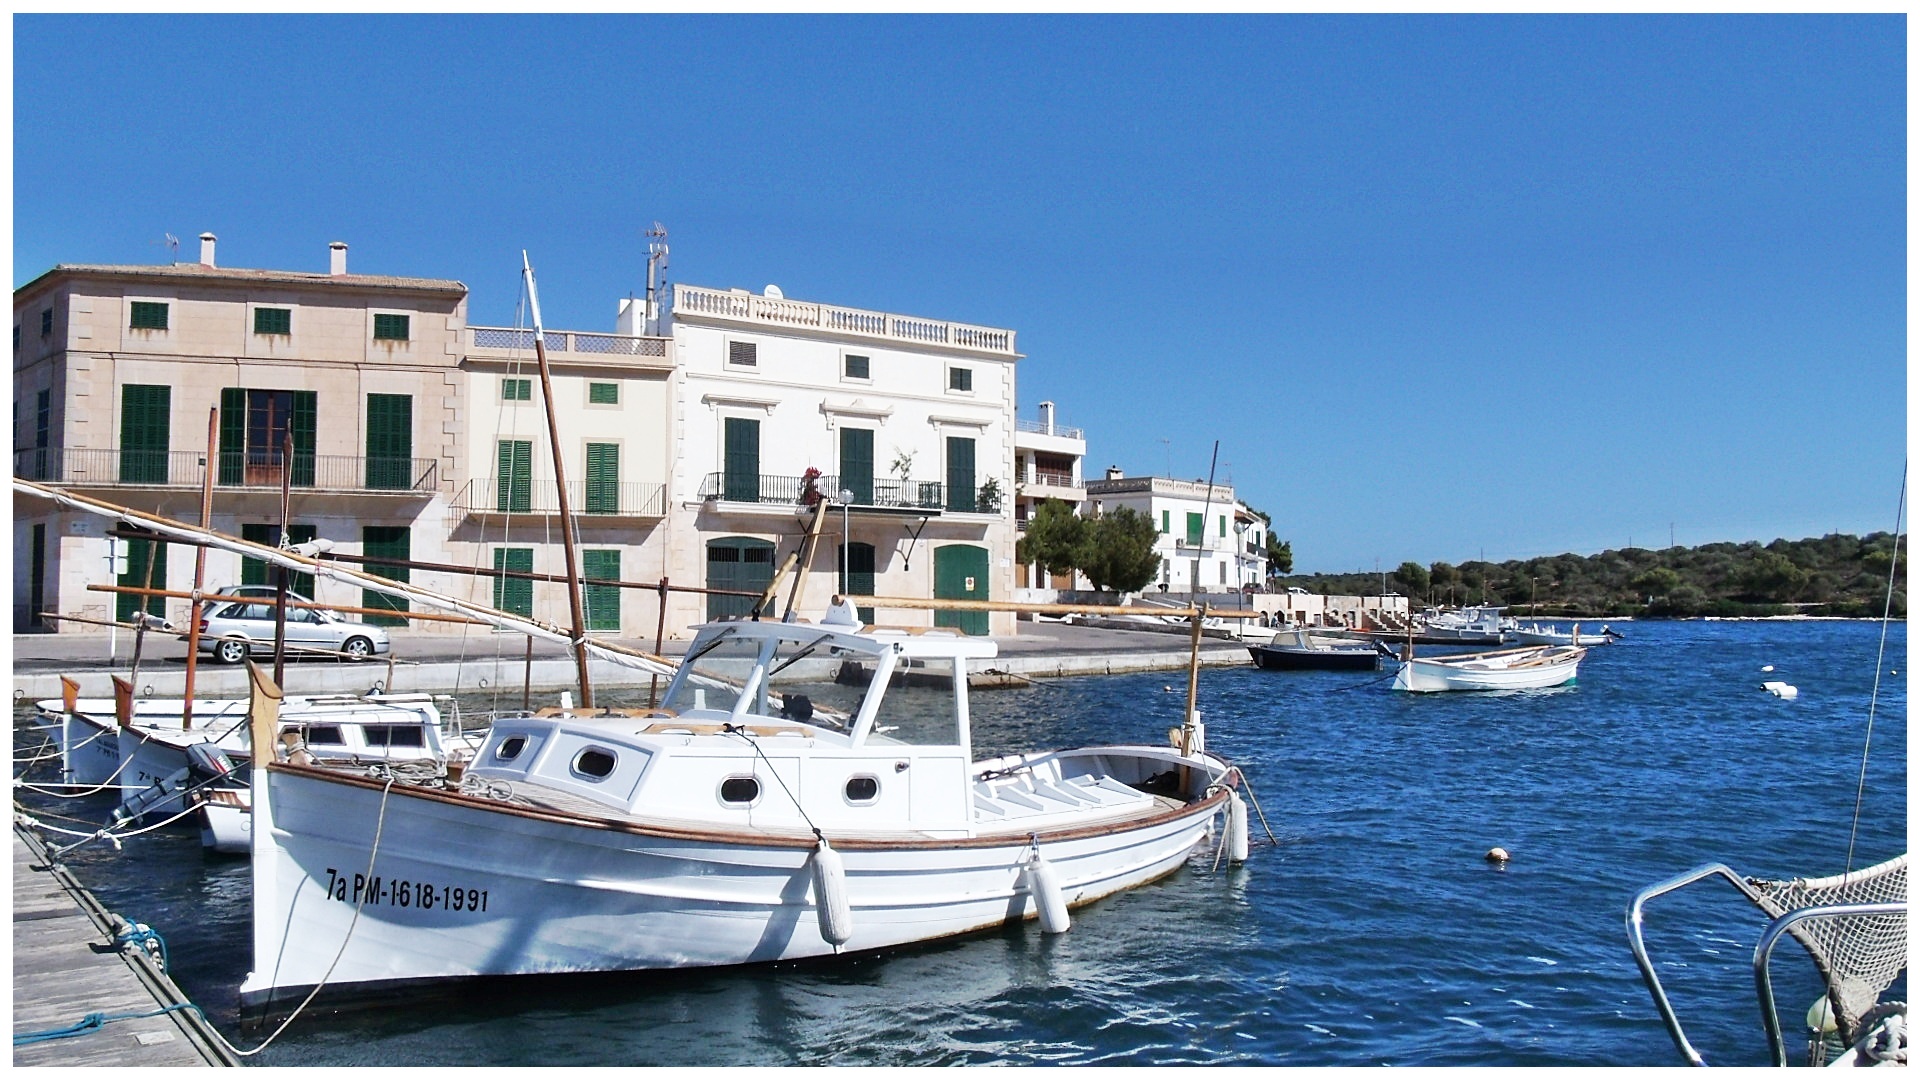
(1880, 665)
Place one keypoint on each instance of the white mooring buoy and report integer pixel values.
(1044, 886)
(1498, 855)
(830, 894)
(1786, 691)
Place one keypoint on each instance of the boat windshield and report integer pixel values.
(799, 684)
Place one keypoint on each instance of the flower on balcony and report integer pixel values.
(810, 487)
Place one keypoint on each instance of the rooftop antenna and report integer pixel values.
(172, 243)
(656, 267)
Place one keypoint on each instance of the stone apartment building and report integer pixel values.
(347, 387)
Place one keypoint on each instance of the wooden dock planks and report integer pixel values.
(65, 967)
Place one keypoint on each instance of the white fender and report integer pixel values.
(830, 895)
(1236, 838)
(1044, 886)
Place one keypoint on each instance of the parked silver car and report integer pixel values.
(234, 627)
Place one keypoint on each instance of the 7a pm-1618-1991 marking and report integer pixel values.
(399, 892)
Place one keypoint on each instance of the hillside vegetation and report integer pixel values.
(1837, 574)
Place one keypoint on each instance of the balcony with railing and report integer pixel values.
(573, 346)
(587, 498)
(234, 469)
(693, 301)
(882, 493)
(1042, 427)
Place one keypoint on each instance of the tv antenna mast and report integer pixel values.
(172, 244)
(656, 270)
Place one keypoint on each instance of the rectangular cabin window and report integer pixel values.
(324, 734)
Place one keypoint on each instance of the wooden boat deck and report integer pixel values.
(65, 968)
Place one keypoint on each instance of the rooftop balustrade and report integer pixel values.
(797, 314)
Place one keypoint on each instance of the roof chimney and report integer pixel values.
(1114, 473)
(1046, 417)
(339, 264)
(206, 249)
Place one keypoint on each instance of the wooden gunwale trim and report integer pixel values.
(1207, 805)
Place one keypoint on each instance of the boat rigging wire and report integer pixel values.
(1879, 665)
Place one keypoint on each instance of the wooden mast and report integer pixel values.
(199, 564)
(560, 481)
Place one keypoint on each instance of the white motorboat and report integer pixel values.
(1549, 634)
(147, 758)
(1477, 625)
(764, 812)
(1528, 668)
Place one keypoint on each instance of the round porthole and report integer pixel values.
(594, 764)
(862, 790)
(739, 791)
(510, 748)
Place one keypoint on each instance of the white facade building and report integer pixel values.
(904, 425)
(1049, 459)
(1209, 541)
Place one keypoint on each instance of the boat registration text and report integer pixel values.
(398, 892)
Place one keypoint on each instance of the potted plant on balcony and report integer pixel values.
(810, 487)
(988, 501)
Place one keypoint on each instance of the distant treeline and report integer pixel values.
(1837, 574)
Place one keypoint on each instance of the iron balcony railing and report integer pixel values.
(789, 490)
(1038, 428)
(591, 497)
(233, 469)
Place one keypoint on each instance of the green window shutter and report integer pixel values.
(390, 441)
(385, 542)
(142, 556)
(233, 434)
(602, 601)
(145, 426)
(858, 367)
(960, 378)
(257, 572)
(305, 422)
(960, 493)
(1166, 522)
(390, 327)
(1196, 528)
(1223, 525)
(603, 393)
(516, 389)
(742, 478)
(146, 315)
(513, 483)
(37, 577)
(273, 320)
(603, 478)
(513, 595)
(856, 463)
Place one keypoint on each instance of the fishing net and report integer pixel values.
(1859, 956)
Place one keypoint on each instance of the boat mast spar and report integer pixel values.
(560, 481)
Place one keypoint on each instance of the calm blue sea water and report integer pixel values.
(1373, 932)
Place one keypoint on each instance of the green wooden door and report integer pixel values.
(856, 575)
(255, 571)
(741, 479)
(856, 464)
(305, 426)
(513, 595)
(960, 492)
(145, 428)
(737, 562)
(233, 434)
(385, 542)
(960, 573)
(603, 478)
(602, 601)
(513, 483)
(389, 442)
(146, 568)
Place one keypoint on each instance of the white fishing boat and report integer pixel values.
(1477, 625)
(1528, 668)
(763, 812)
(1550, 634)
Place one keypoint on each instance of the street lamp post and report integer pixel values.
(846, 540)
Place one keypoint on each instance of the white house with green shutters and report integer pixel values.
(1209, 541)
(342, 387)
(903, 425)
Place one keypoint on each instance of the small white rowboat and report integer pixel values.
(1529, 668)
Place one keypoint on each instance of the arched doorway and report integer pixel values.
(960, 573)
(737, 562)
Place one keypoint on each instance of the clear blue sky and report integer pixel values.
(1443, 288)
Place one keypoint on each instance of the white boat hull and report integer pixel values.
(464, 889)
(1533, 668)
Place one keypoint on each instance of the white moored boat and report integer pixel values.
(764, 812)
(1529, 668)
(1549, 634)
